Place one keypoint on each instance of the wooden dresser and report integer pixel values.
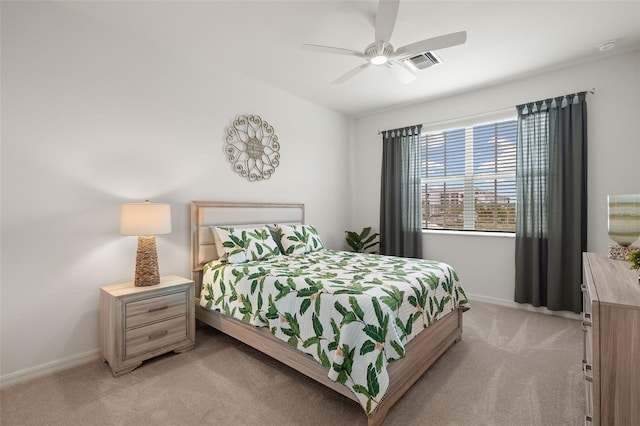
(611, 356)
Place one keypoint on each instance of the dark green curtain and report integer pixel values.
(551, 197)
(400, 199)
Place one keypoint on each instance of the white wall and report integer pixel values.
(93, 116)
(486, 263)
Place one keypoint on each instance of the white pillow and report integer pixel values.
(299, 239)
(240, 245)
(222, 255)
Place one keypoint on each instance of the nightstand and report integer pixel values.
(138, 323)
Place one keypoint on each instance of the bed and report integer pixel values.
(310, 311)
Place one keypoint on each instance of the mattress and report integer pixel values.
(352, 312)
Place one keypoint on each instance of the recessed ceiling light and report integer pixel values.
(607, 45)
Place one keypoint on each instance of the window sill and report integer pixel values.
(471, 233)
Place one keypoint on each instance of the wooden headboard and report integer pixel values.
(215, 213)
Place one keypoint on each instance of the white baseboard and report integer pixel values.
(49, 367)
(523, 306)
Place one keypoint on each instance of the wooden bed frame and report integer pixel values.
(421, 352)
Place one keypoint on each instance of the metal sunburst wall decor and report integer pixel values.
(252, 147)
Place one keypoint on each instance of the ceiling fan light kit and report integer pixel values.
(402, 62)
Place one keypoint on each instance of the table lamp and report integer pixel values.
(145, 220)
(624, 223)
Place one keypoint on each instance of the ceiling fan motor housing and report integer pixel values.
(372, 50)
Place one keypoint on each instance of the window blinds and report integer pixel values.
(469, 177)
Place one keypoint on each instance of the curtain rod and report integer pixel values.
(591, 91)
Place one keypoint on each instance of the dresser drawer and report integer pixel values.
(155, 336)
(588, 388)
(154, 309)
(587, 328)
(587, 354)
(586, 297)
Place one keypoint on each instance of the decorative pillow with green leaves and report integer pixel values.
(245, 244)
(299, 239)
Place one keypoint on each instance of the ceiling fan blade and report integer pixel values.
(350, 74)
(402, 72)
(435, 43)
(386, 19)
(334, 50)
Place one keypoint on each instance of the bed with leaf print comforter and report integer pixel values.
(352, 312)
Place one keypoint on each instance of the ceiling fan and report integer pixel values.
(381, 52)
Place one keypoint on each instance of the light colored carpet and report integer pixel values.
(512, 367)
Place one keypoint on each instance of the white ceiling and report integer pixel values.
(505, 40)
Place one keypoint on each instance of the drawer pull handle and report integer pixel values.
(588, 420)
(586, 320)
(583, 288)
(588, 374)
(158, 334)
(159, 308)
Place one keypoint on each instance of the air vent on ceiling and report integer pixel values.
(423, 60)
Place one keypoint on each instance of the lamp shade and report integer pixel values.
(624, 218)
(145, 218)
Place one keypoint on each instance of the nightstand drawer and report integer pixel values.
(148, 338)
(155, 309)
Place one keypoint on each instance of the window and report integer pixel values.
(469, 177)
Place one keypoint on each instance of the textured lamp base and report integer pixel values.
(619, 252)
(146, 263)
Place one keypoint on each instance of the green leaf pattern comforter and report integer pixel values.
(352, 312)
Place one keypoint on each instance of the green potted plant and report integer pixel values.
(363, 241)
(634, 258)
